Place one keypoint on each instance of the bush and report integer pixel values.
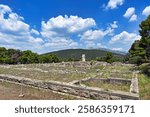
(136, 60)
(145, 68)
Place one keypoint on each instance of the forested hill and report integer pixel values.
(77, 53)
(13, 56)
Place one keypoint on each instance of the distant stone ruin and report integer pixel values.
(83, 57)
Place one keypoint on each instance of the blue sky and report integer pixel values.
(50, 25)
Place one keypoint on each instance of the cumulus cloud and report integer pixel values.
(65, 25)
(59, 30)
(112, 4)
(125, 37)
(33, 31)
(61, 43)
(5, 8)
(130, 11)
(133, 18)
(14, 31)
(123, 41)
(114, 24)
(146, 11)
(92, 35)
(57, 33)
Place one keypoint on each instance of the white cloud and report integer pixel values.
(117, 49)
(99, 45)
(146, 11)
(36, 40)
(125, 37)
(92, 35)
(130, 11)
(33, 31)
(60, 43)
(89, 44)
(92, 38)
(65, 25)
(13, 22)
(133, 18)
(114, 24)
(14, 32)
(93, 45)
(123, 41)
(4, 8)
(56, 33)
(112, 4)
(59, 30)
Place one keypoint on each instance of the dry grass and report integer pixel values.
(65, 74)
(69, 74)
(108, 86)
(29, 93)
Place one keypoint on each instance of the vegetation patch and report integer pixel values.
(108, 86)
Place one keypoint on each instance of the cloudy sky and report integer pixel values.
(50, 25)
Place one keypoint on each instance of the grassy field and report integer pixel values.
(108, 86)
(65, 74)
(30, 93)
(48, 72)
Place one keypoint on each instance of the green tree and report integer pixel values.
(4, 56)
(28, 57)
(49, 58)
(14, 55)
(109, 57)
(140, 50)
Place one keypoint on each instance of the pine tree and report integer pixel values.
(140, 50)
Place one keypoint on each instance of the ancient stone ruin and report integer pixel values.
(75, 88)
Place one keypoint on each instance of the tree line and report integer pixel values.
(13, 56)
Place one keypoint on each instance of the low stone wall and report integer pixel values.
(87, 92)
(78, 64)
(134, 88)
(105, 80)
(132, 82)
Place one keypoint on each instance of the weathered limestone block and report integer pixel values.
(134, 86)
(115, 98)
(84, 93)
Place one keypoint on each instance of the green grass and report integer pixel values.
(65, 74)
(108, 86)
(144, 86)
(61, 74)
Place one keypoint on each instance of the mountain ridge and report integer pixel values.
(89, 53)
